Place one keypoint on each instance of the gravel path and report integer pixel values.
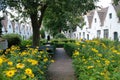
(62, 68)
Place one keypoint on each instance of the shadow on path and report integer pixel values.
(62, 68)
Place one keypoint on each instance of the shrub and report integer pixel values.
(61, 42)
(60, 36)
(43, 41)
(13, 39)
(70, 48)
(25, 43)
(97, 60)
(29, 64)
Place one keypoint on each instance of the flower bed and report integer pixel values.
(29, 64)
(97, 60)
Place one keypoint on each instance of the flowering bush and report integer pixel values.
(70, 47)
(29, 64)
(97, 60)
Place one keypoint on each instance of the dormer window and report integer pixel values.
(95, 20)
(110, 15)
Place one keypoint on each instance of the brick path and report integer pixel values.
(62, 68)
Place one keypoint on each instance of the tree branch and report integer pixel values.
(43, 8)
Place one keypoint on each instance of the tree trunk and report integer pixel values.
(35, 27)
(36, 24)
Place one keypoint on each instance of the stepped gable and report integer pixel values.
(102, 15)
(90, 17)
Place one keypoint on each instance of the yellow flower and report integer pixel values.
(107, 62)
(94, 50)
(33, 62)
(90, 67)
(77, 43)
(45, 60)
(100, 55)
(114, 51)
(24, 53)
(52, 61)
(98, 61)
(31, 75)
(10, 63)
(41, 52)
(102, 73)
(83, 45)
(1, 61)
(20, 65)
(10, 73)
(28, 71)
(103, 45)
(76, 53)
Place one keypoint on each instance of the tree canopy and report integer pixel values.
(56, 12)
(116, 2)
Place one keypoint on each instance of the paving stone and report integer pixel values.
(62, 68)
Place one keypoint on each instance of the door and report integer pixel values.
(115, 36)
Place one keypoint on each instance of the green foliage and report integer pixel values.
(97, 60)
(65, 15)
(25, 43)
(118, 14)
(2, 5)
(29, 64)
(60, 36)
(116, 2)
(31, 38)
(70, 48)
(61, 42)
(56, 13)
(13, 39)
(43, 41)
(42, 33)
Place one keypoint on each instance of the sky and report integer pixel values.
(104, 3)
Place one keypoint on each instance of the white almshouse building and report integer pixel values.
(23, 29)
(100, 23)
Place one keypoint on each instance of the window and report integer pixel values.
(9, 26)
(87, 36)
(83, 35)
(98, 33)
(106, 32)
(80, 35)
(95, 20)
(110, 15)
